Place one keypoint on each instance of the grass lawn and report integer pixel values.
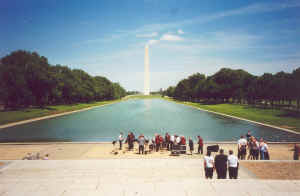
(29, 113)
(274, 117)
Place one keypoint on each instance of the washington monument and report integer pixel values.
(146, 72)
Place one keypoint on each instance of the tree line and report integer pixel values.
(239, 86)
(27, 79)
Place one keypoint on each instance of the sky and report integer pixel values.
(108, 38)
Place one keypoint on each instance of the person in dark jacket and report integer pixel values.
(130, 139)
(191, 145)
(296, 150)
(221, 165)
(167, 141)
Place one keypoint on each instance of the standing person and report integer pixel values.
(221, 165)
(161, 142)
(250, 147)
(37, 157)
(296, 150)
(167, 140)
(248, 136)
(191, 145)
(153, 143)
(132, 139)
(255, 148)
(267, 155)
(200, 144)
(128, 140)
(233, 165)
(27, 157)
(262, 149)
(209, 165)
(182, 140)
(172, 141)
(141, 141)
(177, 140)
(242, 148)
(157, 142)
(121, 138)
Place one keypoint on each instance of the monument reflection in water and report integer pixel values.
(146, 72)
(147, 116)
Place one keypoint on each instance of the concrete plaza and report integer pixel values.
(184, 177)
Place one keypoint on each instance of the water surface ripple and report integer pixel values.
(147, 116)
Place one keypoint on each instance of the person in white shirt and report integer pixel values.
(263, 149)
(209, 165)
(121, 138)
(177, 140)
(242, 148)
(172, 139)
(233, 165)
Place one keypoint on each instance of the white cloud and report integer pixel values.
(154, 34)
(180, 31)
(153, 41)
(170, 37)
(250, 9)
(166, 37)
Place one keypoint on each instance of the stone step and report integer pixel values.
(129, 177)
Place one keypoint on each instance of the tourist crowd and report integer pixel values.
(256, 149)
(158, 142)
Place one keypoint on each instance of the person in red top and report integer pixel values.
(157, 142)
(182, 140)
(161, 141)
(200, 144)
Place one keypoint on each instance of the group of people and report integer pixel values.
(221, 163)
(256, 149)
(158, 142)
(37, 156)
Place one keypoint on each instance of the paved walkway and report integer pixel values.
(124, 177)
